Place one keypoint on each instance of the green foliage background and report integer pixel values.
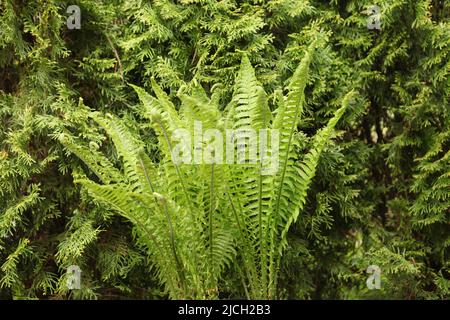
(381, 193)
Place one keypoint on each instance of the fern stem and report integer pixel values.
(147, 176)
(211, 208)
(183, 185)
(250, 271)
(174, 251)
(169, 222)
(262, 241)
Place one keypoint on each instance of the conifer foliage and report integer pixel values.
(89, 118)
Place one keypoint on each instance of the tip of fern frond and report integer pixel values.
(62, 137)
(159, 197)
(155, 116)
(349, 98)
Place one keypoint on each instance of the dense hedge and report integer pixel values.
(381, 193)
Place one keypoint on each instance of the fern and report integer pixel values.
(197, 219)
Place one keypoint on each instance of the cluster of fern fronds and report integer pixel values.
(86, 170)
